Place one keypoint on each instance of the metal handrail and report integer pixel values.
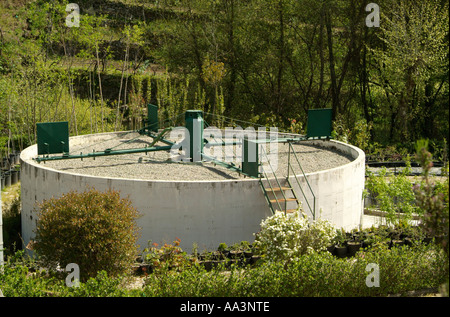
(276, 178)
(266, 196)
(313, 210)
(273, 191)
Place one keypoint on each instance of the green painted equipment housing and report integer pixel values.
(52, 137)
(250, 157)
(152, 118)
(195, 124)
(319, 123)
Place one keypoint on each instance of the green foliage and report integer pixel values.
(340, 130)
(393, 194)
(261, 61)
(21, 277)
(316, 274)
(95, 230)
(167, 257)
(11, 225)
(100, 285)
(433, 199)
(17, 278)
(360, 134)
(412, 64)
(222, 247)
(340, 238)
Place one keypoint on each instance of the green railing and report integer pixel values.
(290, 168)
(264, 174)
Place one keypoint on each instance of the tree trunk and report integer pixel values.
(318, 102)
(280, 58)
(100, 84)
(334, 92)
(229, 101)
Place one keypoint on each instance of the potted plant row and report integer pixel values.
(347, 244)
(242, 253)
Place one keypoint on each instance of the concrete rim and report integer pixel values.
(27, 157)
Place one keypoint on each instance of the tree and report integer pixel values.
(412, 65)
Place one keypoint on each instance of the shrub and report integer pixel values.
(20, 277)
(17, 279)
(286, 237)
(432, 198)
(101, 285)
(394, 195)
(11, 226)
(95, 230)
(318, 274)
(401, 269)
(166, 257)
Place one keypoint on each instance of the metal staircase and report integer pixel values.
(280, 198)
(280, 195)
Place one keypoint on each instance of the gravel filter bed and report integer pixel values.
(162, 165)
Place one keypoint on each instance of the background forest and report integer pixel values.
(265, 62)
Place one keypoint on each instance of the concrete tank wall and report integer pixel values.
(338, 191)
(202, 212)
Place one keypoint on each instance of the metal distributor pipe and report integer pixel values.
(106, 152)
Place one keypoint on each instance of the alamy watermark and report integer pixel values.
(227, 145)
(373, 19)
(73, 18)
(73, 278)
(373, 278)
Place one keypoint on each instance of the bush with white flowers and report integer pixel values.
(287, 237)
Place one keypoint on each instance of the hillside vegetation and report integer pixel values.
(262, 61)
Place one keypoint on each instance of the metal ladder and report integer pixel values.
(312, 209)
(288, 195)
(272, 191)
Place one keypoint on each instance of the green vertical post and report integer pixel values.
(153, 122)
(250, 158)
(195, 125)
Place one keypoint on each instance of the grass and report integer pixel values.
(9, 194)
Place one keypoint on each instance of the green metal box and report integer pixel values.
(52, 137)
(319, 123)
(250, 157)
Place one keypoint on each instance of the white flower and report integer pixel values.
(286, 236)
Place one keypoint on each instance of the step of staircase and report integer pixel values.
(283, 200)
(277, 189)
(289, 211)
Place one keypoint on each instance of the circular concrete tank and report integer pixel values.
(196, 202)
